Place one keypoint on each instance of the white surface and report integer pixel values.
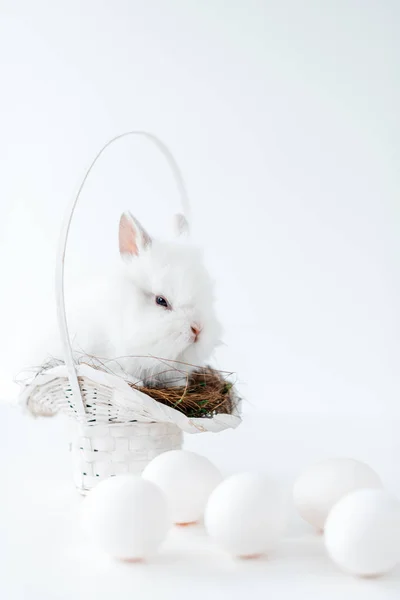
(44, 556)
(283, 115)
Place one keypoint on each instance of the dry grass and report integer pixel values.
(207, 392)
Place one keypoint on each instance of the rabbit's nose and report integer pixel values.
(196, 330)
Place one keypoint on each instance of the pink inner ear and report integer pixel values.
(127, 237)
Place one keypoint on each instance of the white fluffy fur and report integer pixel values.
(116, 317)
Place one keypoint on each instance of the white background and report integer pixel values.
(284, 118)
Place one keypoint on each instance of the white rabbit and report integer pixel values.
(157, 309)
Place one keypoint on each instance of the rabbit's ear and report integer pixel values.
(133, 238)
(181, 225)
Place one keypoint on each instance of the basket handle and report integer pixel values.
(60, 296)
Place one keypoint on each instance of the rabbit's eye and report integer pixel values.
(161, 301)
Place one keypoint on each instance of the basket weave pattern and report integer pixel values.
(102, 451)
(107, 439)
(98, 400)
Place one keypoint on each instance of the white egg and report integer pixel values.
(362, 533)
(246, 515)
(320, 486)
(187, 479)
(126, 516)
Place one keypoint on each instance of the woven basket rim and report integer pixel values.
(133, 404)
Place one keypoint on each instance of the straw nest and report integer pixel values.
(207, 392)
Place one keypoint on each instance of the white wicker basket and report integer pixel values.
(115, 428)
